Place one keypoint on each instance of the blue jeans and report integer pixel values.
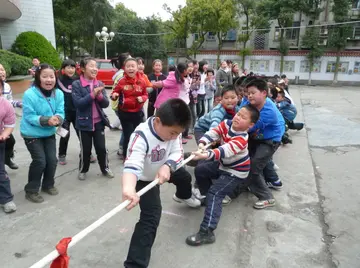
(209, 104)
(43, 165)
(215, 184)
(5, 189)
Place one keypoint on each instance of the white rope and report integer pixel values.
(75, 239)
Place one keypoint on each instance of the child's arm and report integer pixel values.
(102, 98)
(80, 101)
(229, 149)
(9, 122)
(133, 168)
(216, 117)
(10, 98)
(213, 135)
(114, 95)
(176, 154)
(59, 109)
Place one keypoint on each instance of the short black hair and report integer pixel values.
(171, 68)
(260, 84)
(38, 71)
(281, 93)
(85, 61)
(247, 80)
(68, 62)
(254, 113)
(239, 82)
(210, 71)
(140, 59)
(174, 112)
(227, 89)
(283, 76)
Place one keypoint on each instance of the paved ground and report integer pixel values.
(299, 231)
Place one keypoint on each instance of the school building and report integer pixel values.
(17, 16)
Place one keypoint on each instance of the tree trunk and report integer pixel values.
(243, 56)
(309, 82)
(219, 48)
(281, 63)
(71, 45)
(336, 67)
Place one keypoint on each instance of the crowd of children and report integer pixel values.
(243, 119)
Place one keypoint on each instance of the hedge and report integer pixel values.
(14, 64)
(35, 45)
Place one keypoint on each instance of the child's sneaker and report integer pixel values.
(82, 176)
(197, 194)
(9, 207)
(276, 185)
(276, 167)
(191, 202)
(264, 203)
(62, 160)
(184, 141)
(204, 236)
(188, 137)
(92, 159)
(108, 173)
(226, 201)
(51, 191)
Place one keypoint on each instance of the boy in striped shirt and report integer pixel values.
(228, 166)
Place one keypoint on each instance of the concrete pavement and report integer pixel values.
(294, 233)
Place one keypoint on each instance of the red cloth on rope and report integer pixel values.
(63, 260)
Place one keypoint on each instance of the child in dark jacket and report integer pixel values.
(89, 98)
(132, 94)
(156, 76)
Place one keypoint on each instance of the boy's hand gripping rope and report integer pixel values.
(75, 239)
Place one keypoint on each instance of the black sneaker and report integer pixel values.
(204, 236)
(11, 164)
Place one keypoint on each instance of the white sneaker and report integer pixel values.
(191, 202)
(226, 201)
(9, 207)
(197, 194)
(276, 167)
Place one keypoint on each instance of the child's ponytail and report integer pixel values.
(180, 69)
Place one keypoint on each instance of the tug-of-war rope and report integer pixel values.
(59, 256)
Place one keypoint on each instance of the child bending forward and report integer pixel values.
(228, 166)
(155, 151)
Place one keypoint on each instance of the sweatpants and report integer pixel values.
(5, 189)
(215, 184)
(150, 213)
(87, 138)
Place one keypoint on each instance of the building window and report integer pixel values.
(356, 31)
(293, 33)
(356, 4)
(210, 36)
(230, 35)
(305, 67)
(356, 67)
(196, 36)
(277, 34)
(343, 67)
(212, 63)
(259, 65)
(289, 66)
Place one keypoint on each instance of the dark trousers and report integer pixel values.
(150, 213)
(63, 145)
(270, 174)
(200, 105)
(215, 184)
(129, 121)
(198, 133)
(87, 138)
(9, 148)
(192, 107)
(293, 125)
(5, 189)
(261, 153)
(150, 109)
(43, 165)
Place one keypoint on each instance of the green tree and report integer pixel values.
(338, 34)
(179, 26)
(247, 11)
(311, 38)
(223, 16)
(283, 12)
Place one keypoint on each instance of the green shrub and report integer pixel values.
(33, 44)
(14, 64)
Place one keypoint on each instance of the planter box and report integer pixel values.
(20, 83)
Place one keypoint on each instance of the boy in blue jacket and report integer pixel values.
(264, 140)
(288, 110)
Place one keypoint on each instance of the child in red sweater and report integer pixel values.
(132, 94)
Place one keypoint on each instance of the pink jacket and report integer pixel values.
(7, 114)
(171, 89)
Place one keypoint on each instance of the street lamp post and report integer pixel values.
(105, 37)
